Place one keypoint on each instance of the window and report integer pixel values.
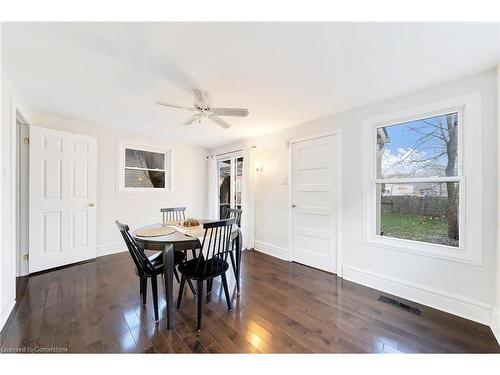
(414, 180)
(144, 168)
(417, 182)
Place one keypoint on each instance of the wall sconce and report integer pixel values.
(259, 166)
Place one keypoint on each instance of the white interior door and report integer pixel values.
(62, 196)
(314, 211)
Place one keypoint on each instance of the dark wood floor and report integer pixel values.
(283, 308)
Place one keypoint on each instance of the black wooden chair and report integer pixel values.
(148, 267)
(216, 243)
(173, 213)
(145, 267)
(235, 248)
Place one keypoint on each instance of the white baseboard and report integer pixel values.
(448, 302)
(6, 307)
(275, 251)
(495, 323)
(111, 248)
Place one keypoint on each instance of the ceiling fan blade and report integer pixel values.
(198, 98)
(239, 112)
(174, 105)
(201, 98)
(219, 121)
(192, 119)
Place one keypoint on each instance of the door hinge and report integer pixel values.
(26, 140)
(26, 257)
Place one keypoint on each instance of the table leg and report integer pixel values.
(168, 267)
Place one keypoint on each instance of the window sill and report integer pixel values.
(143, 190)
(456, 254)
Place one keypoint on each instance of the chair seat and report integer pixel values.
(157, 260)
(202, 270)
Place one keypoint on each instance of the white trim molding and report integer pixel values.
(8, 301)
(470, 210)
(120, 165)
(272, 250)
(110, 248)
(6, 307)
(451, 303)
(495, 323)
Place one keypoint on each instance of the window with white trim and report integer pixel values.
(423, 179)
(144, 168)
(417, 182)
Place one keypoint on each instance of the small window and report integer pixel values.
(417, 185)
(144, 168)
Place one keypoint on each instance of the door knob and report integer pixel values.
(91, 204)
(293, 205)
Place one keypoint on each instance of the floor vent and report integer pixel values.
(401, 305)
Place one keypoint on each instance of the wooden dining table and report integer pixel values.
(168, 244)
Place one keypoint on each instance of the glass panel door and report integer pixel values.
(224, 168)
(230, 179)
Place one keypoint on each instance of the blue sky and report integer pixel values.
(405, 137)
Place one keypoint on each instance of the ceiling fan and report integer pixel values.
(203, 108)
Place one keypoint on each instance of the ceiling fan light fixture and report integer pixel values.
(202, 105)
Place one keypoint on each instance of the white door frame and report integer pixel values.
(25, 114)
(338, 187)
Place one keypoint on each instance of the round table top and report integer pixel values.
(179, 240)
(174, 238)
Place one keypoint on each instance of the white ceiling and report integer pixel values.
(284, 73)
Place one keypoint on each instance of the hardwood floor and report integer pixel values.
(283, 308)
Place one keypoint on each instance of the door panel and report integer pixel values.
(314, 202)
(79, 229)
(51, 176)
(51, 232)
(62, 194)
(52, 142)
(313, 244)
(314, 198)
(314, 176)
(80, 179)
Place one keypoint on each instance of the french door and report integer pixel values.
(230, 182)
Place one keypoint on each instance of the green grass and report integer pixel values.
(414, 227)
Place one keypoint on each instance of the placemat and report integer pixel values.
(172, 222)
(196, 232)
(155, 231)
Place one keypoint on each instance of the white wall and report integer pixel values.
(496, 310)
(2, 96)
(10, 101)
(136, 209)
(463, 289)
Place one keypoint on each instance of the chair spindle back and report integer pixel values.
(234, 213)
(216, 244)
(141, 261)
(173, 213)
